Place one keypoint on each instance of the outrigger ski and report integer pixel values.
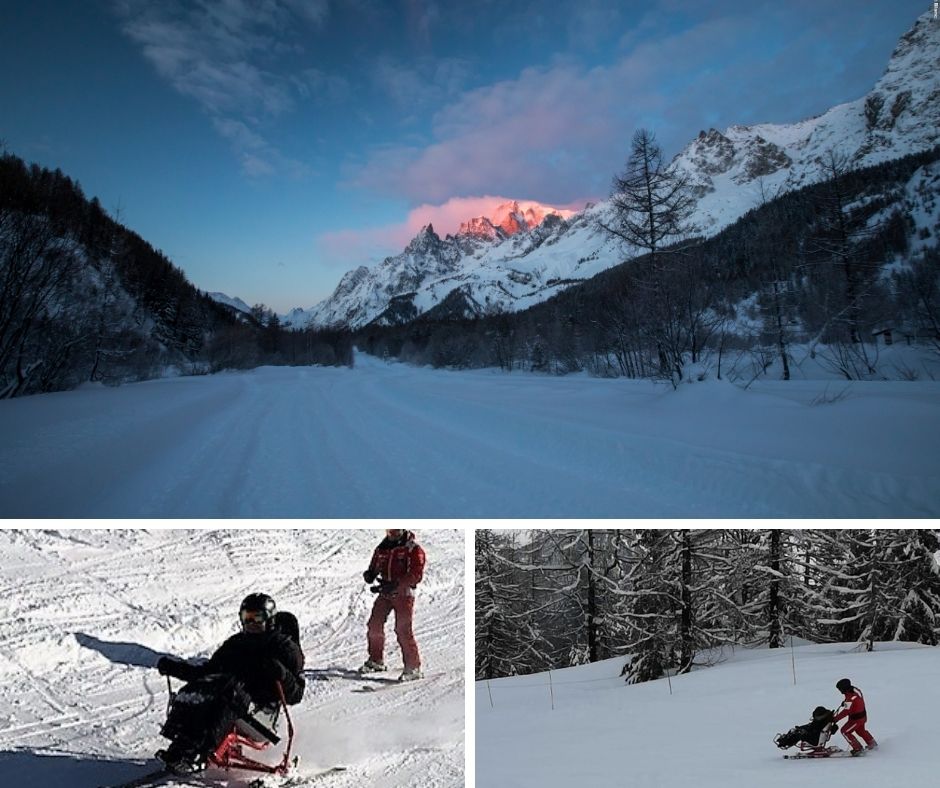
(291, 780)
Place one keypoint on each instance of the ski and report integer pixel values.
(384, 683)
(813, 757)
(325, 674)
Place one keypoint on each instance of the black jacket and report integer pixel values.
(258, 660)
(813, 729)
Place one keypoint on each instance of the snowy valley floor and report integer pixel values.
(84, 614)
(392, 440)
(716, 730)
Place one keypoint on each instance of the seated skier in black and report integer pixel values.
(815, 733)
(244, 670)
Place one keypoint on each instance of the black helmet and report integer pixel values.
(844, 685)
(257, 608)
(821, 713)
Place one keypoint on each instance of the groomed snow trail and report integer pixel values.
(716, 729)
(84, 615)
(391, 440)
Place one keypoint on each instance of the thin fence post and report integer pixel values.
(669, 681)
(551, 689)
(793, 660)
(489, 692)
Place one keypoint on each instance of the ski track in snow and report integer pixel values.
(392, 440)
(84, 615)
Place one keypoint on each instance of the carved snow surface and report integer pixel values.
(524, 253)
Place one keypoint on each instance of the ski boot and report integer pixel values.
(181, 761)
(410, 674)
(371, 666)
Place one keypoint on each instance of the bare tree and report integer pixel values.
(37, 268)
(651, 207)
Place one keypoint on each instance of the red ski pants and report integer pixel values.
(857, 726)
(404, 613)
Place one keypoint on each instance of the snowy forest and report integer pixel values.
(672, 599)
(84, 299)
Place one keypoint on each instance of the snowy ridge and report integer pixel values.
(714, 729)
(234, 303)
(899, 116)
(483, 268)
(86, 613)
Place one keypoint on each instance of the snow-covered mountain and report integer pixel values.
(226, 300)
(522, 257)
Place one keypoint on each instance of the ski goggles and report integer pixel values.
(254, 618)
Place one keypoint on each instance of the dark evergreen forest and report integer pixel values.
(667, 600)
(829, 266)
(83, 298)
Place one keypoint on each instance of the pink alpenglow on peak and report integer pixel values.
(511, 218)
(480, 227)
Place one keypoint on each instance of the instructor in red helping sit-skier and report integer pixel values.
(853, 707)
(398, 565)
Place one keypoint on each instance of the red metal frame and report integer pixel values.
(230, 755)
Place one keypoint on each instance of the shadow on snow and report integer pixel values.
(133, 654)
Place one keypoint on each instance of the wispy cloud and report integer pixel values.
(258, 158)
(422, 81)
(221, 54)
(560, 131)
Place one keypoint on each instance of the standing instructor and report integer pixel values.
(398, 565)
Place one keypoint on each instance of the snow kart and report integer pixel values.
(811, 739)
(253, 732)
(806, 749)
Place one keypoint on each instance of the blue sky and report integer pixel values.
(268, 146)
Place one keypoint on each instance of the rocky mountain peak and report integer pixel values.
(508, 219)
(502, 260)
(425, 241)
(479, 227)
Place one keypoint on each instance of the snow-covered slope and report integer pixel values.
(480, 269)
(393, 440)
(84, 614)
(900, 115)
(234, 303)
(716, 728)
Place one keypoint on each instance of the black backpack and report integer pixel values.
(286, 623)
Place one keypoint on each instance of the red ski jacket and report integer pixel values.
(852, 707)
(401, 561)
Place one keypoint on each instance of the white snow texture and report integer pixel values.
(716, 729)
(392, 440)
(85, 614)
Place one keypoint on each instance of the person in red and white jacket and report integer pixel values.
(398, 565)
(853, 707)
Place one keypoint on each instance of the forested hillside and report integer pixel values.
(83, 298)
(839, 268)
(667, 599)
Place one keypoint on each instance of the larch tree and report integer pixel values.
(651, 207)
